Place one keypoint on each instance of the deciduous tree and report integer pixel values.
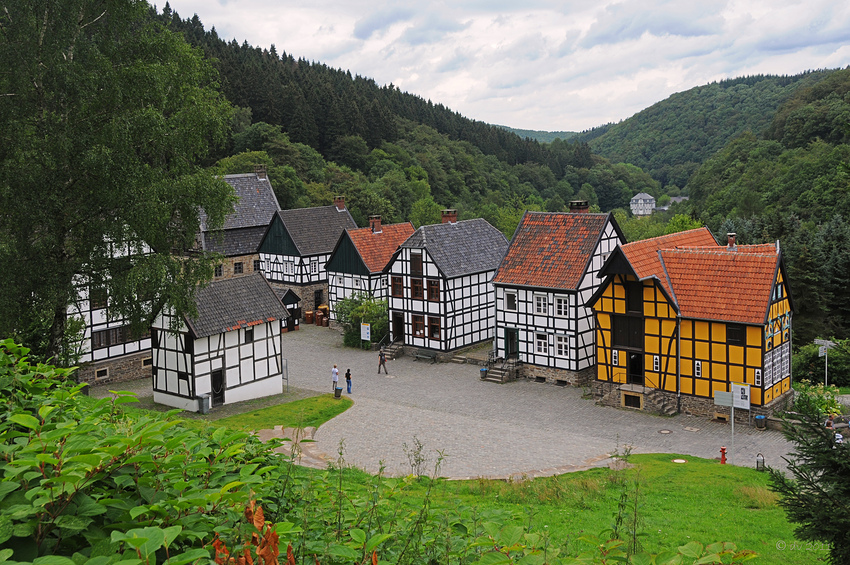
(104, 118)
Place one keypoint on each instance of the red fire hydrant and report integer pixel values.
(723, 455)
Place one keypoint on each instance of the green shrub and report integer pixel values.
(362, 309)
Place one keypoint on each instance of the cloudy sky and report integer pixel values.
(563, 65)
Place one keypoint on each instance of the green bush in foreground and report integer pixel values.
(84, 483)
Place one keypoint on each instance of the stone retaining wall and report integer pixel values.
(558, 376)
(124, 368)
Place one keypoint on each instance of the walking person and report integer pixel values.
(348, 380)
(335, 376)
(382, 361)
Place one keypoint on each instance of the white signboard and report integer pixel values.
(741, 396)
(365, 332)
(822, 351)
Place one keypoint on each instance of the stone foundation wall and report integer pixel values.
(119, 369)
(306, 293)
(557, 376)
(657, 401)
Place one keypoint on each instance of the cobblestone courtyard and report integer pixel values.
(486, 429)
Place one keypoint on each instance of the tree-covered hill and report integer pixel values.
(542, 136)
(792, 184)
(396, 152)
(672, 138)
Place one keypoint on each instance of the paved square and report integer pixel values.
(486, 429)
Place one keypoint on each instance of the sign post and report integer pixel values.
(365, 332)
(723, 398)
(823, 351)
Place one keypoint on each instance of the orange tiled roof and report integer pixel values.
(732, 285)
(376, 249)
(551, 249)
(643, 255)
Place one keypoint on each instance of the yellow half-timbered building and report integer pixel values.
(680, 317)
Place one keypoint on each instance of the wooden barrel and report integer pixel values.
(308, 316)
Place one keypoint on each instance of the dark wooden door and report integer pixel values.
(398, 327)
(511, 343)
(635, 374)
(218, 387)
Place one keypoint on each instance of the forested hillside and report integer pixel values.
(542, 136)
(672, 138)
(387, 150)
(792, 184)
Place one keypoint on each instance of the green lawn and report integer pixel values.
(700, 500)
(309, 412)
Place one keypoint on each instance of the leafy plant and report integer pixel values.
(816, 399)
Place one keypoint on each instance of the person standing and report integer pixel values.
(348, 380)
(382, 361)
(335, 376)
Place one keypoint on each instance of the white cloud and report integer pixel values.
(543, 64)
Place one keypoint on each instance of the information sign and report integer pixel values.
(366, 332)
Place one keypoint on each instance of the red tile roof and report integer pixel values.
(551, 250)
(376, 249)
(643, 255)
(722, 284)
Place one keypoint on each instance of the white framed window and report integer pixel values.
(288, 268)
(562, 305)
(339, 281)
(541, 304)
(541, 343)
(758, 377)
(698, 369)
(314, 267)
(510, 301)
(615, 357)
(562, 346)
(656, 363)
(357, 283)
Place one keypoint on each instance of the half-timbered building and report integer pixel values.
(237, 241)
(542, 286)
(231, 350)
(680, 317)
(358, 261)
(441, 291)
(296, 246)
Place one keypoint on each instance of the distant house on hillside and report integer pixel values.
(296, 247)
(358, 261)
(231, 350)
(642, 204)
(441, 292)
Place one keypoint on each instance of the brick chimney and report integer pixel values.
(579, 206)
(260, 171)
(339, 202)
(375, 224)
(730, 238)
(449, 216)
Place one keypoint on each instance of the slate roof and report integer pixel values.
(377, 248)
(643, 255)
(316, 230)
(244, 228)
(243, 241)
(643, 196)
(461, 248)
(732, 285)
(240, 302)
(551, 249)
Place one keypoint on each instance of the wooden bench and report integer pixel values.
(425, 354)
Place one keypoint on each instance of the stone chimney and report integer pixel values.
(730, 238)
(375, 224)
(339, 202)
(579, 206)
(449, 216)
(260, 171)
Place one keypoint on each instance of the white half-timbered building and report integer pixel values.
(542, 285)
(296, 247)
(108, 350)
(358, 261)
(232, 350)
(441, 292)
